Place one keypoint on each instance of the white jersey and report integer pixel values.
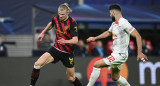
(121, 31)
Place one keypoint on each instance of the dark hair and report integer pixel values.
(115, 7)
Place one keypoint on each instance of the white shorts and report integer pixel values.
(115, 60)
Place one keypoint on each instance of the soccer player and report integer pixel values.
(62, 50)
(120, 30)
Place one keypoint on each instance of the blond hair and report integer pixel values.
(65, 7)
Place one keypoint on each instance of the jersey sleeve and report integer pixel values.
(128, 27)
(74, 29)
(110, 28)
(53, 21)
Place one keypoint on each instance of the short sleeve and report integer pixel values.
(74, 29)
(53, 21)
(110, 28)
(128, 27)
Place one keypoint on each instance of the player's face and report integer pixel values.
(112, 15)
(63, 14)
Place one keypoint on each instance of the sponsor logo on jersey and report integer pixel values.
(114, 35)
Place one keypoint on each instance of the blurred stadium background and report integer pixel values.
(22, 20)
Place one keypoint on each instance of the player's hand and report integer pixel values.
(142, 57)
(62, 41)
(91, 39)
(40, 36)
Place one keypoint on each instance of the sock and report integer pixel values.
(77, 82)
(94, 76)
(122, 81)
(35, 75)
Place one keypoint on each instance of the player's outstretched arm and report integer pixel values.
(48, 27)
(101, 36)
(139, 44)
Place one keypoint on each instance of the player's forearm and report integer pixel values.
(103, 35)
(47, 28)
(138, 39)
(139, 43)
(74, 40)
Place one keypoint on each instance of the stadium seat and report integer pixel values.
(132, 47)
(149, 45)
(109, 47)
(90, 47)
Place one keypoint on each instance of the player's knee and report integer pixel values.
(71, 78)
(96, 65)
(37, 63)
(115, 78)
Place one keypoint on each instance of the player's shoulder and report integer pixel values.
(123, 21)
(55, 16)
(72, 19)
(112, 23)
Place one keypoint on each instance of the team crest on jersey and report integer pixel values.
(114, 35)
(66, 27)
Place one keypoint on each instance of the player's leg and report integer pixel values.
(68, 62)
(42, 61)
(70, 72)
(96, 71)
(115, 72)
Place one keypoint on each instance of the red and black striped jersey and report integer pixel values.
(66, 30)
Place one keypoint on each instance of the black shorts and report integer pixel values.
(66, 58)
